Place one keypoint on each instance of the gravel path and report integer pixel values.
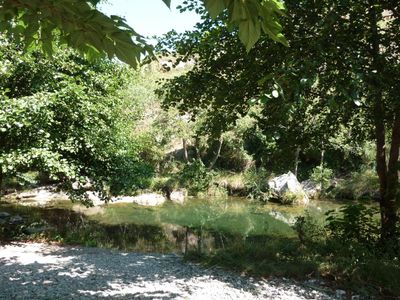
(41, 271)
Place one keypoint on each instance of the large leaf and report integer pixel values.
(214, 7)
(250, 16)
(81, 26)
(249, 33)
(167, 3)
(41, 22)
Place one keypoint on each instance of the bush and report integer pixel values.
(129, 175)
(256, 183)
(354, 224)
(233, 156)
(348, 249)
(309, 231)
(323, 176)
(290, 198)
(363, 184)
(195, 177)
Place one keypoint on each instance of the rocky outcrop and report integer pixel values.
(311, 188)
(288, 189)
(150, 199)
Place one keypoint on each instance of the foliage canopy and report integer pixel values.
(79, 24)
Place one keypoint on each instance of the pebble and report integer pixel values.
(54, 272)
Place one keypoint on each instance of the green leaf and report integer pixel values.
(249, 33)
(214, 7)
(167, 3)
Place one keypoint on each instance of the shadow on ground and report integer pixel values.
(35, 271)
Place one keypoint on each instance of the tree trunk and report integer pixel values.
(296, 161)
(216, 153)
(322, 158)
(185, 150)
(388, 177)
(388, 205)
(1, 182)
(197, 149)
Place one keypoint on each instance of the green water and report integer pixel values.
(231, 215)
(200, 224)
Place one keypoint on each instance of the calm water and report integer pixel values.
(199, 225)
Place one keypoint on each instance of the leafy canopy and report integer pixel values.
(79, 24)
(65, 118)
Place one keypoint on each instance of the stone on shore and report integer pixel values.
(149, 199)
(287, 187)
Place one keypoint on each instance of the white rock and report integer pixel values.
(121, 199)
(311, 188)
(288, 183)
(150, 199)
(178, 196)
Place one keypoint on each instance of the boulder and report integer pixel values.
(287, 186)
(150, 199)
(311, 188)
(86, 186)
(178, 196)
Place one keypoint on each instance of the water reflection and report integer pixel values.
(199, 226)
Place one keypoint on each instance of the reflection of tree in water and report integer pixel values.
(204, 227)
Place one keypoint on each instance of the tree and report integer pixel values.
(343, 62)
(63, 118)
(79, 24)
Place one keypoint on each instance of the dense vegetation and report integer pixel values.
(220, 112)
(339, 73)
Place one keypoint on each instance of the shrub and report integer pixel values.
(354, 224)
(256, 183)
(196, 177)
(290, 198)
(309, 231)
(363, 184)
(233, 156)
(129, 175)
(323, 176)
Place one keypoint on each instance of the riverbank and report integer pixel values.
(238, 235)
(44, 271)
